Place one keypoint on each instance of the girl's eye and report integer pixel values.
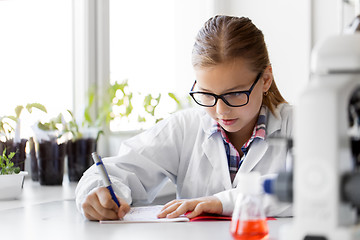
(235, 94)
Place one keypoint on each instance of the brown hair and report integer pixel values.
(225, 38)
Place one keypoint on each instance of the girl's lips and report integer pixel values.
(228, 122)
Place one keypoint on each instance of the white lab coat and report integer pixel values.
(182, 149)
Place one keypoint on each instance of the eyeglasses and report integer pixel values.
(232, 99)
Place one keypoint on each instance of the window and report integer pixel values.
(150, 46)
(36, 56)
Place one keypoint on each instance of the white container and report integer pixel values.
(11, 185)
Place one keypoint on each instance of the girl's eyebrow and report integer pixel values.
(233, 89)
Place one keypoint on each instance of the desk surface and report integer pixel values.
(45, 212)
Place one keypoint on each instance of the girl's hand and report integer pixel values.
(197, 206)
(100, 206)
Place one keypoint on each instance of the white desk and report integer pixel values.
(45, 212)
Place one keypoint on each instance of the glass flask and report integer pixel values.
(248, 219)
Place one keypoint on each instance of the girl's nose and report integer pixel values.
(222, 108)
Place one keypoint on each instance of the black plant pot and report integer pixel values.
(355, 149)
(33, 161)
(18, 148)
(50, 156)
(79, 157)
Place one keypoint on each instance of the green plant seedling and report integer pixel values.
(6, 165)
(52, 124)
(6, 128)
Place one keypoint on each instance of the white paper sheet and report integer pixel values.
(145, 215)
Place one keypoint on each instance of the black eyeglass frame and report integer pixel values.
(247, 93)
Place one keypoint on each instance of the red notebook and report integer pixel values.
(215, 217)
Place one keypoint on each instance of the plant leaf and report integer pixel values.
(16, 170)
(18, 111)
(71, 114)
(11, 155)
(12, 118)
(6, 165)
(39, 106)
(173, 96)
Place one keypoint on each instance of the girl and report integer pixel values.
(201, 150)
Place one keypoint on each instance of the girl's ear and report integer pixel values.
(267, 78)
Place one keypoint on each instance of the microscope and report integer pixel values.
(325, 183)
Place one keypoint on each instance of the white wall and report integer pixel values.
(286, 27)
(326, 19)
(330, 17)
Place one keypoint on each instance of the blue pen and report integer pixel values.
(105, 176)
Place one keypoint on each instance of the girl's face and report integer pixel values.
(229, 77)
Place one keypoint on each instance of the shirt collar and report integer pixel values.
(259, 131)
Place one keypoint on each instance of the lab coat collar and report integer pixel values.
(255, 154)
(259, 146)
(256, 151)
(206, 123)
(212, 143)
(210, 147)
(273, 122)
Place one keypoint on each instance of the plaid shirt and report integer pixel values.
(233, 156)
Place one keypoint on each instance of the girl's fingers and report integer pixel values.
(196, 207)
(168, 208)
(96, 212)
(106, 200)
(176, 208)
(124, 208)
(105, 213)
(99, 205)
(183, 208)
(89, 209)
(207, 205)
(199, 209)
(91, 214)
(171, 203)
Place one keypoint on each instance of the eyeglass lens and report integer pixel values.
(234, 99)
